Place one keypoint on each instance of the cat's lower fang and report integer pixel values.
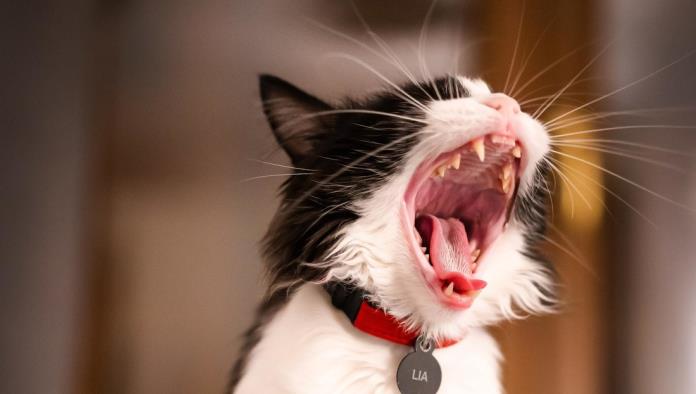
(449, 289)
(418, 237)
(475, 255)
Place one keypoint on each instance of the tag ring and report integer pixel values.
(424, 344)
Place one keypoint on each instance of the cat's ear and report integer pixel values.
(293, 115)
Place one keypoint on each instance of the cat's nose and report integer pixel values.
(502, 103)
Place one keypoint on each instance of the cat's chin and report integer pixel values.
(456, 206)
(517, 286)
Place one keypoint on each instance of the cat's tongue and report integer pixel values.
(450, 252)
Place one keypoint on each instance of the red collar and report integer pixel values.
(372, 320)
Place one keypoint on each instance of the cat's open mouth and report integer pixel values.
(456, 206)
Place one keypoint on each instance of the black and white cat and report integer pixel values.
(427, 200)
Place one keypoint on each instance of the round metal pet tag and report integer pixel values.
(419, 372)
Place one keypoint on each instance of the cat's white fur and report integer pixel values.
(309, 347)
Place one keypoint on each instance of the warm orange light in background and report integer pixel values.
(581, 187)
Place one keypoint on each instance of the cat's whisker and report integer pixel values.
(548, 68)
(543, 98)
(454, 67)
(549, 189)
(450, 88)
(421, 48)
(605, 114)
(536, 90)
(399, 64)
(387, 50)
(608, 190)
(592, 194)
(572, 255)
(565, 179)
(347, 167)
(327, 211)
(615, 152)
(538, 113)
(557, 105)
(298, 119)
(529, 57)
(583, 119)
(454, 87)
(627, 86)
(402, 93)
(389, 58)
(516, 48)
(627, 180)
(580, 144)
(560, 136)
(569, 244)
(627, 143)
(254, 178)
(281, 165)
(569, 168)
(556, 184)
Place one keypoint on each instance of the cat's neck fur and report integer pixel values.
(311, 347)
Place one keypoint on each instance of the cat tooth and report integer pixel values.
(475, 255)
(440, 171)
(516, 151)
(506, 172)
(418, 237)
(449, 290)
(474, 294)
(505, 177)
(456, 161)
(478, 146)
(423, 248)
(506, 185)
(474, 266)
(427, 256)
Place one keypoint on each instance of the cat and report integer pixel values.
(427, 201)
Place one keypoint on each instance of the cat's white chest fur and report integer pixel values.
(310, 347)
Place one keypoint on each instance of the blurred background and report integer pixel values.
(135, 190)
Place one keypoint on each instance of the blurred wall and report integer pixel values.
(654, 343)
(43, 182)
